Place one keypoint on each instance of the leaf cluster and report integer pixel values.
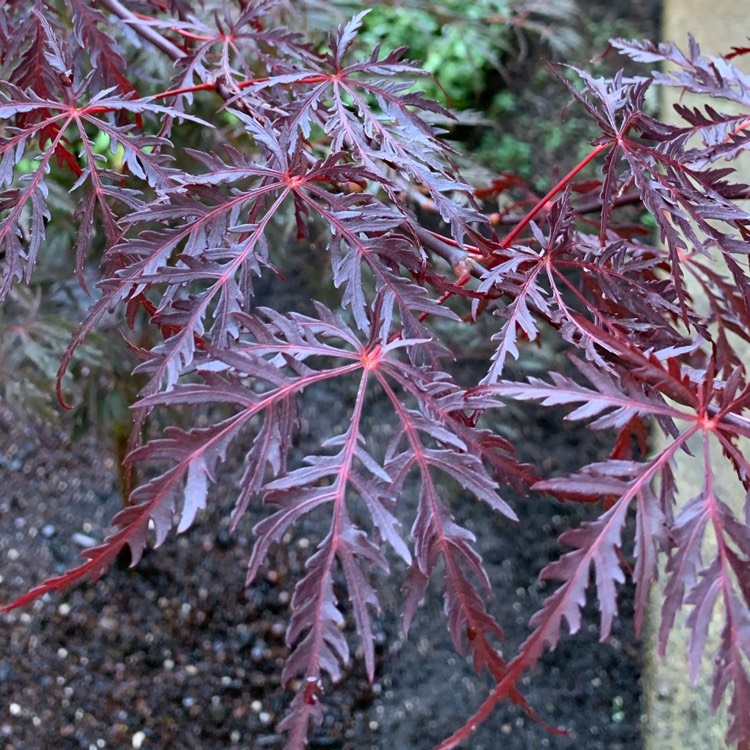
(336, 144)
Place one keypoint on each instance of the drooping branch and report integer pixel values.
(144, 30)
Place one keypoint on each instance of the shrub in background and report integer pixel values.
(461, 44)
(172, 242)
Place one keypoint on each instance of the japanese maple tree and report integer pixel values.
(333, 140)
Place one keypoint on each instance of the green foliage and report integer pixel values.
(468, 48)
(464, 44)
(34, 337)
(457, 42)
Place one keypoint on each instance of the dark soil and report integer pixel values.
(177, 649)
(178, 654)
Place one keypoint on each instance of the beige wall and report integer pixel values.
(717, 24)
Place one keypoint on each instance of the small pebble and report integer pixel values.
(138, 740)
(83, 540)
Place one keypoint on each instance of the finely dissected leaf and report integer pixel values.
(109, 67)
(236, 45)
(684, 198)
(625, 399)
(597, 546)
(619, 289)
(694, 72)
(720, 582)
(51, 123)
(391, 141)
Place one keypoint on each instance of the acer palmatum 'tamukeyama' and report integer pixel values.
(174, 240)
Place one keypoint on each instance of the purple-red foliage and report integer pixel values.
(340, 140)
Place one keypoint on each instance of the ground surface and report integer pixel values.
(177, 654)
(178, 650)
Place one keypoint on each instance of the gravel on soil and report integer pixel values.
(176, 653)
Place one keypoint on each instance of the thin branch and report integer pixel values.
(458, 258)
(146, 32)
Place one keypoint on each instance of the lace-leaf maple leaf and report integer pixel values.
(598, 542)
(685, 201)
(692, 71)
(31, 194)
(391, 141)
(232, 47)
(271, 345)
(107, 64)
